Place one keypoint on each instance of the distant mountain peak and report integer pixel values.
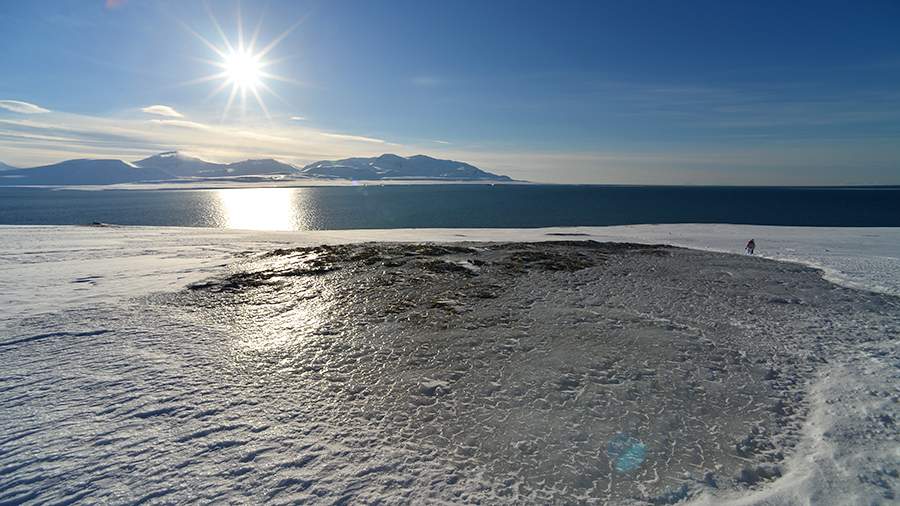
(181, 165)
(392, 166)
(259, 160)
(83, 171)
(174, 152)
(170, 156)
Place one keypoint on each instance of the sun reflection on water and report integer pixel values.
(258, 208)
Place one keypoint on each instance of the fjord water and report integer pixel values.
(450, 206)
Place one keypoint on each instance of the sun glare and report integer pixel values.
(243, 69)
(257, 208)
(241, 65)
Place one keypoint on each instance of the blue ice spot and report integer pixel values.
(626, 452)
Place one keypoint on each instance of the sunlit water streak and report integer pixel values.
(260, 209)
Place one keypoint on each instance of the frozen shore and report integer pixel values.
(48, 267)
(479, 372)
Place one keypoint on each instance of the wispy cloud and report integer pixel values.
(298, 118)
(180, 123)
(262, 137)
(84, 129)
(22, 107)
(162, 110)
(58, 136)
(357, 138)
(440, 142)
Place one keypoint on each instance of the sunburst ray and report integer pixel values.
(241, 66)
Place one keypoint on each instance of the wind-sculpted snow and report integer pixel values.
(561, 372)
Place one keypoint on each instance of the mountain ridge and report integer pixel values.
(181, 165)
(391, 166)
(82, 171)
(178, 166)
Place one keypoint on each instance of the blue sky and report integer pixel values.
(658, 92)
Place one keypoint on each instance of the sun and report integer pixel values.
(241, 65)
(243, 69)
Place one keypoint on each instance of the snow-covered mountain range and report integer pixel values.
(82, 171)
(389, 166)
(180, 165)
(173, 165)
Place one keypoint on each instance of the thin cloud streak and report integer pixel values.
(162, 110)
(357, 138)
(22, 107)
(180, 123)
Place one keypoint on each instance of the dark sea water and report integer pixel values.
(439, 206)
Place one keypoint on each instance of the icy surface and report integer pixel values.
(40, 265)
(493, 373)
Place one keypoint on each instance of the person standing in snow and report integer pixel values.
(751, 245)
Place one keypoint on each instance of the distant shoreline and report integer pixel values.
(309, 183)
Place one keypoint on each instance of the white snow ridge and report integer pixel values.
(163, 365)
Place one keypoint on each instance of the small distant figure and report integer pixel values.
(751, 245)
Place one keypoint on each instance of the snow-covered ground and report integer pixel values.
(53, 279)
(46, 267)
